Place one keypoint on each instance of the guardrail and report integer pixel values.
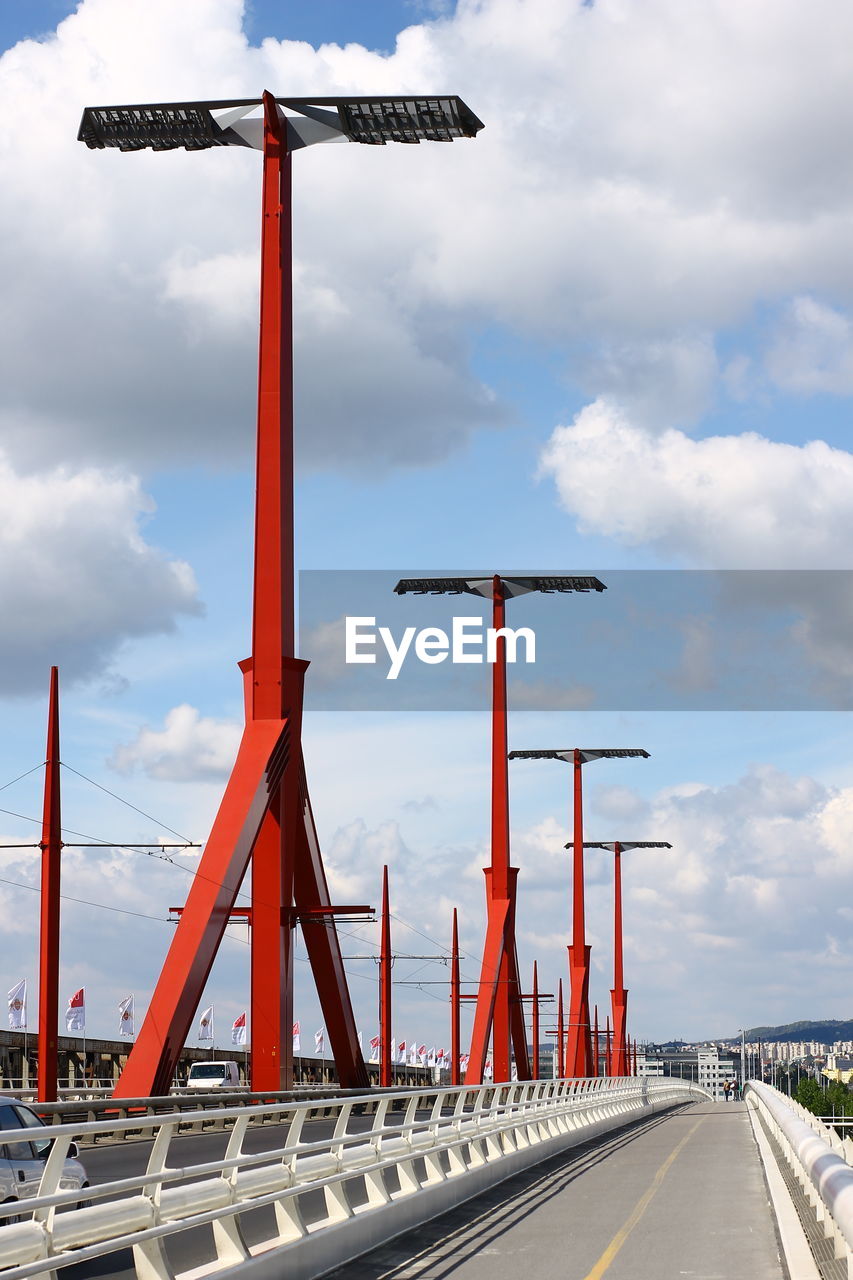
(102, 1111)
(445, 1146)
(820, 1159)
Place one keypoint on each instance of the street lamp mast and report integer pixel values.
(579, 1063)
(265, 817)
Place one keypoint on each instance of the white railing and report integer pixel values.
(820, 1159)
(379, 1174)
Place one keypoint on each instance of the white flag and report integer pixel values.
(205, 1024)
(374, 1049)
(422, 1055)
(402, 1058)
(431, 1057)
(319, 1042)
(238, 1029)
(75, 1014)
(360, 1043)
(125, 1014)
(297, 1041)
(18, 1006)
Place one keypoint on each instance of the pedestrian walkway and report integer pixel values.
(680, 1196)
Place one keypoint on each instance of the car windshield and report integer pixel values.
(207, 1071)
(31, 1121)
(9, 1119)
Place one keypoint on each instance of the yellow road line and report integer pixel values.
(642, 1204)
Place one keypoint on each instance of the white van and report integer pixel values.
(213, 1075)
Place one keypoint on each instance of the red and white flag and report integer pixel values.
(440, 1057)
(422, 1055)
(75, 1014)
(18, 1006)
(402, 1058)
(487, 1070)
(464, 1059)
(374, 1049)
(431, 1059)
(238, 1029)
(205, 1024)
(125, 1017)
(297, 1040)
(320, 1042)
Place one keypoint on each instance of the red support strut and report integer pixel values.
(561, 1034)
(51, 856)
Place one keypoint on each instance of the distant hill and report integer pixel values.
(825, 1032)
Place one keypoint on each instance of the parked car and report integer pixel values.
(22, 1163)
(213, 1075)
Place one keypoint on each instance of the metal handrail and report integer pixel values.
(453, 1132)
(819, 1157)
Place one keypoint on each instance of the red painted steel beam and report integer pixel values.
(595, 1045)
(561, 1042)
(51, 858)
(455, 1005)
(385, 1058)
(608, 1050)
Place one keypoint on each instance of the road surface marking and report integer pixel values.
(640, 1208)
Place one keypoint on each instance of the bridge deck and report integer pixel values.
(679, 1195)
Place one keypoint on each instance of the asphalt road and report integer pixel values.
(679, 1196)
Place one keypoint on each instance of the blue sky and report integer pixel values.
(605, 335)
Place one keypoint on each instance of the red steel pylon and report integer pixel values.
(561, 1034)
(265, 816)
(51, 858)
(595, 1043)
(608, 1050)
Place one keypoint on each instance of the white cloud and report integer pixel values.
(77, 577)
(723, 502)
(643, 181)
(189, 748)
(812, 350)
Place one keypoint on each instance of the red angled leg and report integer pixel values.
(455, 1005)
(154, 1057)
(489, 971)
(324, 952)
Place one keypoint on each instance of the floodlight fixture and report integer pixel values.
(586, 754)
(547, 584)
(618, 992)
(624, 845)
(237, 122)
(579, 1062)
(265, 819)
